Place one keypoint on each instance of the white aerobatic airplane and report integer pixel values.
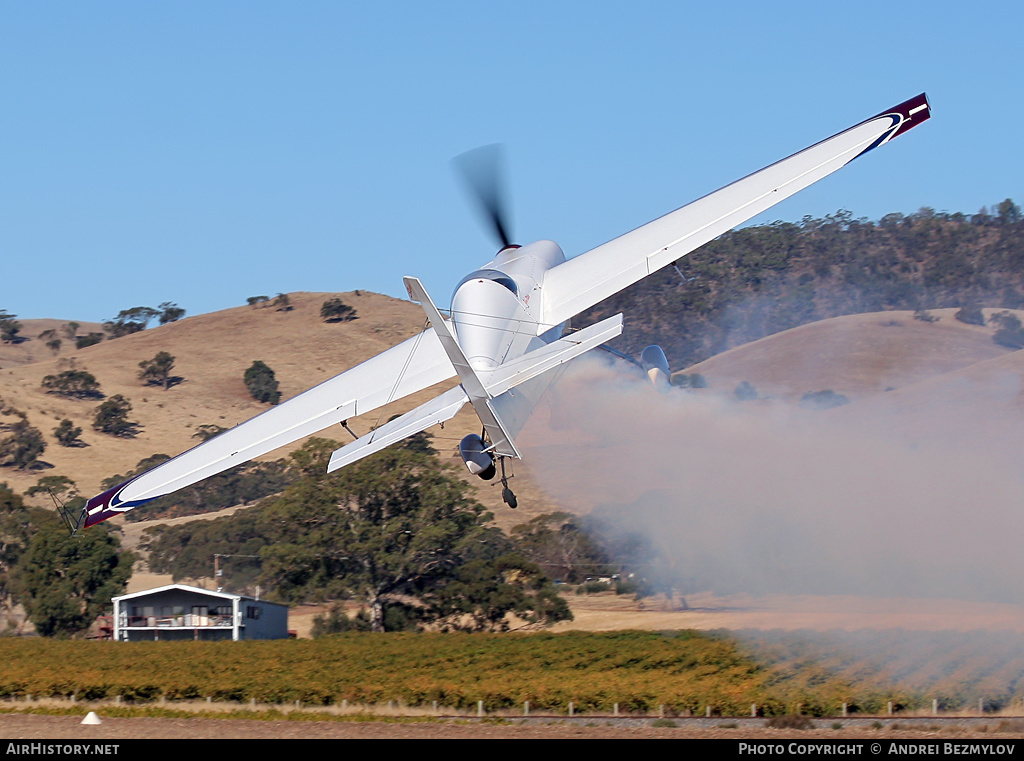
(505, 334)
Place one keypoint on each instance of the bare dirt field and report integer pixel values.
(35, 727)
(69, 727)
(607, 611)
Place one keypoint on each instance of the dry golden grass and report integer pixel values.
(35, 350)
(610, 612)
(857, 355)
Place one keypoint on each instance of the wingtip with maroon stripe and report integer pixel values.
(913, 112)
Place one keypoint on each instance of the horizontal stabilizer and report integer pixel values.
(438, 410)
(510, 374)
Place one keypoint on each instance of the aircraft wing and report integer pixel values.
(585, 280)
(413, 365)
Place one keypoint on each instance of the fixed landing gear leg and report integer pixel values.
(507, 495)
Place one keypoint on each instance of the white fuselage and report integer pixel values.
(497, 310)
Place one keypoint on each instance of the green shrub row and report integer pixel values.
(640, 671)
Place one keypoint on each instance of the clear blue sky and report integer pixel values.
(204, 152)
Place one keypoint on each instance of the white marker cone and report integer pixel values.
(91, 718)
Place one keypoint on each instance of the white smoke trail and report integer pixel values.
(767, 497)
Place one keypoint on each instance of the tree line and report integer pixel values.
(759, 280)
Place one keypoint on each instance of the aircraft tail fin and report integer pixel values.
(501, 439)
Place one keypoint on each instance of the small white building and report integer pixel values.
(178, 611)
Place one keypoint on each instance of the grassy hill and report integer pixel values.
(856, 355)
(34, 349)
